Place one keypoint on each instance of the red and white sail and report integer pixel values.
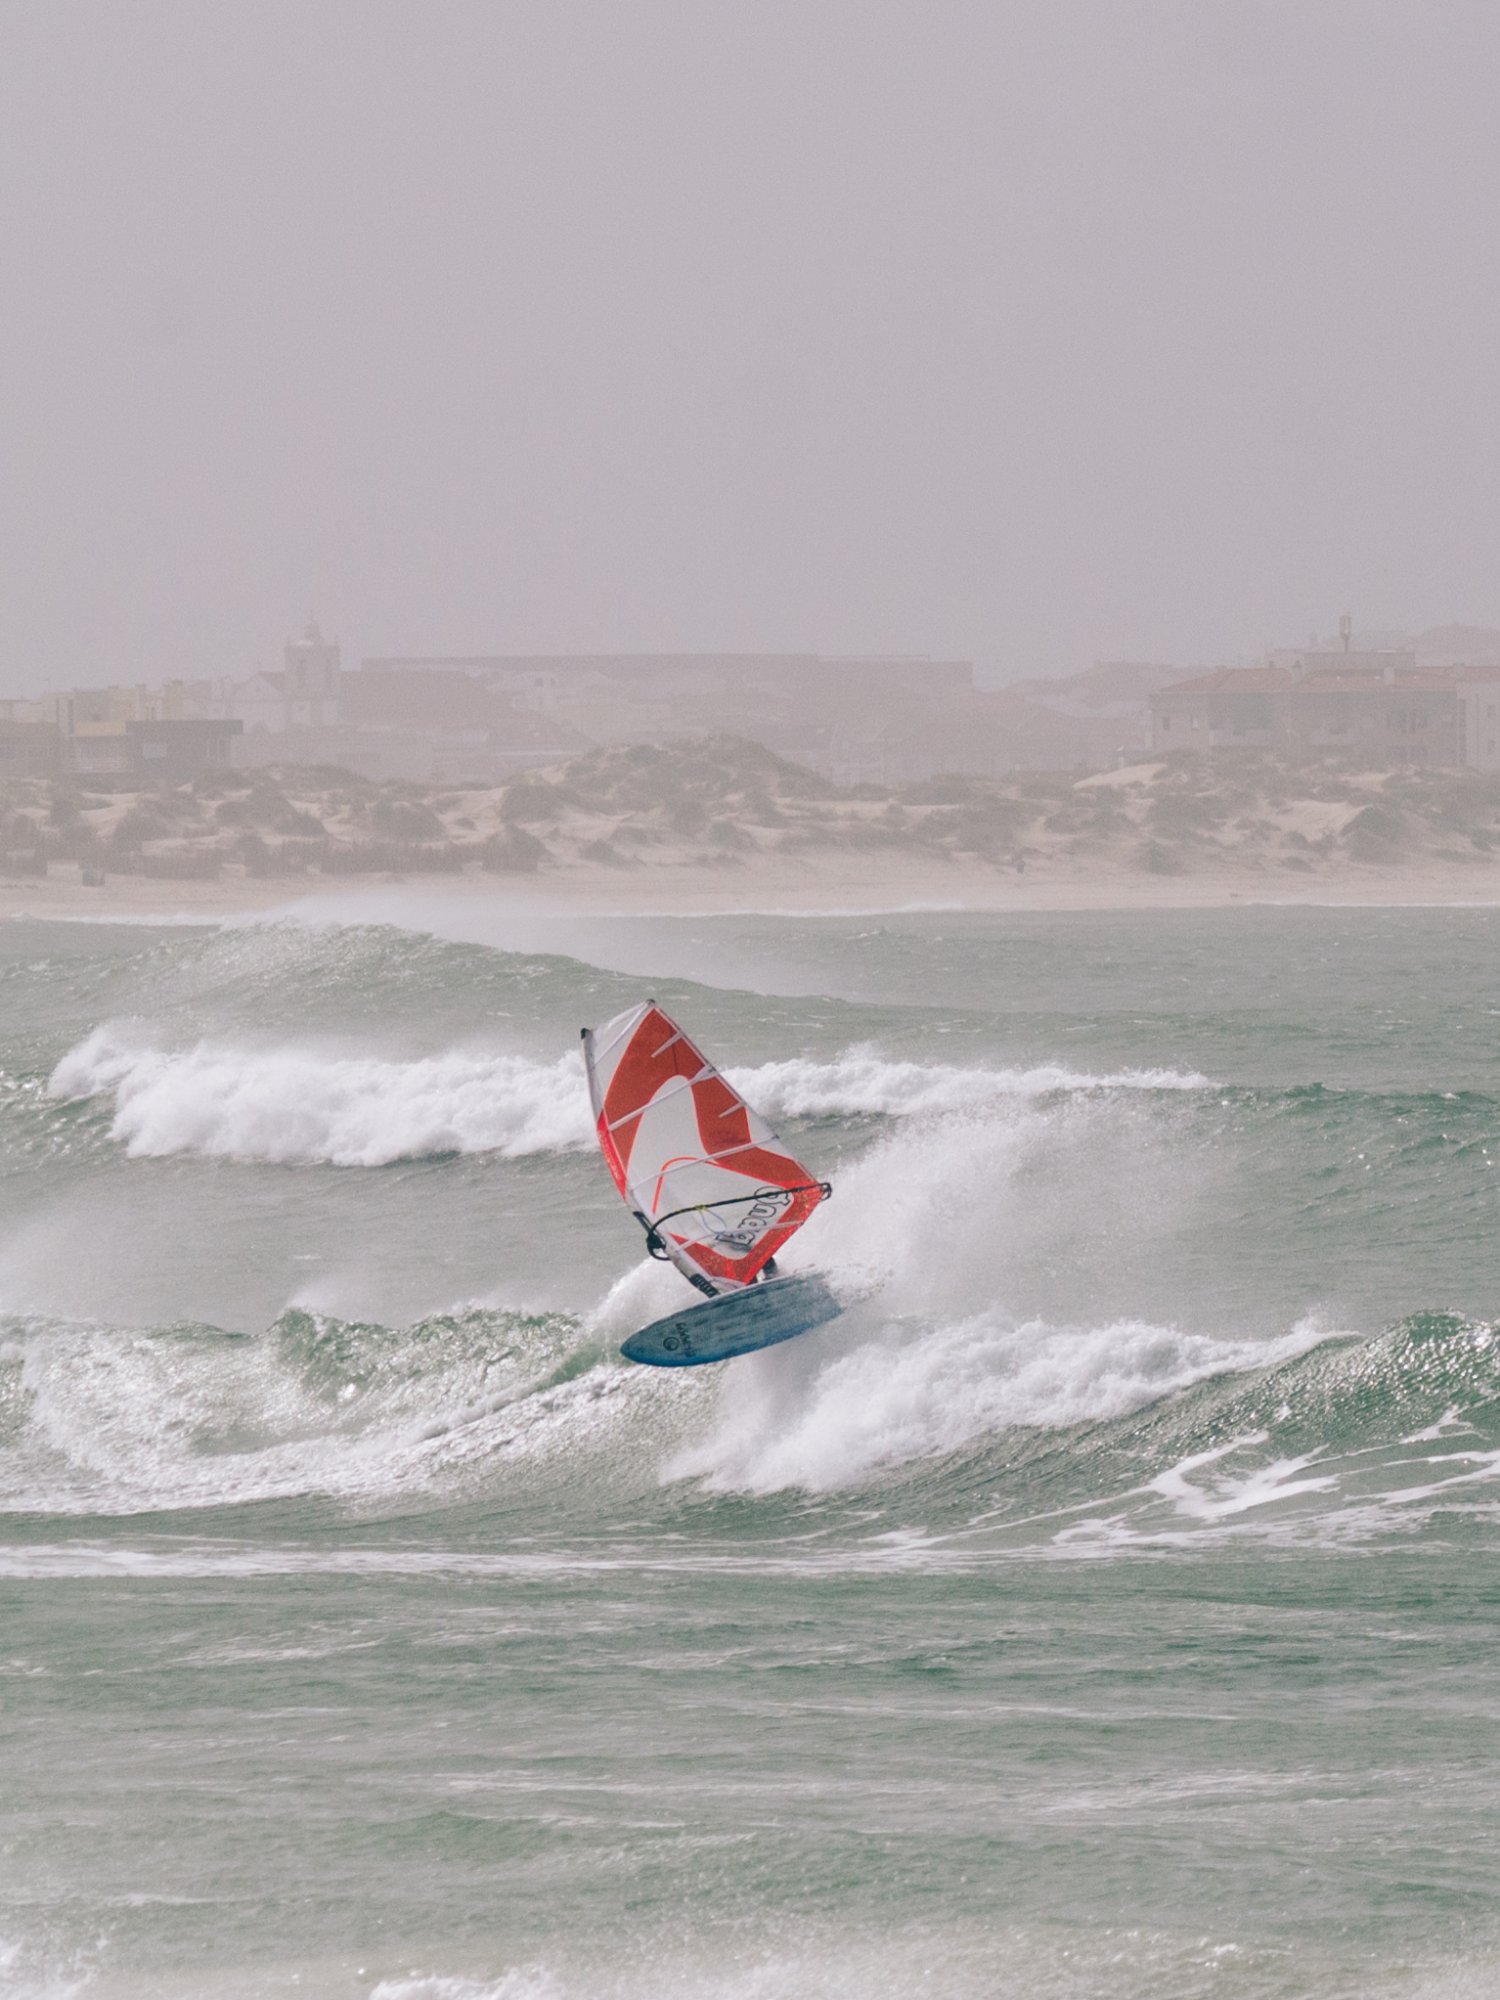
(698, 1167)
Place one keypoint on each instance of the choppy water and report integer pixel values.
(1108, 1605)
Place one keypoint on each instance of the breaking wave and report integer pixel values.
(819, 1424)
(944, 1445)
(289, 1105)
(999, 1356)
(106, 1420)
(301, 1105)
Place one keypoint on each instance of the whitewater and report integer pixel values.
(302, 1104)
(1100, 1606)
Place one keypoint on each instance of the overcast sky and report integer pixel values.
(1029, 332)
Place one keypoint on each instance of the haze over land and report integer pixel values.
(1027, 333)
(810, 514)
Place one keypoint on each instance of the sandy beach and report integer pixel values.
(854, 884)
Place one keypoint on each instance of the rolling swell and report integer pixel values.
(1060, 1304)
(294, 1103)
(108, 1421)
(1133, 1439)
(970, 1442)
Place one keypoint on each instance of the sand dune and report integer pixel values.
(720, 824)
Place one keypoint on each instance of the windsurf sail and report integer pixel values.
(710, 1182)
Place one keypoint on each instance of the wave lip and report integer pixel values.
(292, 1106)
(113, 1421)
(862, 1082)
(301, 1105)
(825, 1424)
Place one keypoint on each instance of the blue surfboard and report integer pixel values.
(735, 1323)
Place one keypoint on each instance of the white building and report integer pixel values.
(304, 695)
(311, 677)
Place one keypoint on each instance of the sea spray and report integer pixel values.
(863, 1406)
(1086, 1614)
(301, 1104)
(287, 1105)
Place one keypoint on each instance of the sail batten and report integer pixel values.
(671, 1091)
(702, 1170)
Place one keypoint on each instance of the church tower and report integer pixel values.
(312, 680)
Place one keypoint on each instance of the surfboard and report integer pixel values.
(735, 1323)
(715, 1190)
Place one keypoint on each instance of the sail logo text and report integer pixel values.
(767, 1209)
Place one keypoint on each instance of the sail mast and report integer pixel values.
(715, 1189)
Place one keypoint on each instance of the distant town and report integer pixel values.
(1431, 700)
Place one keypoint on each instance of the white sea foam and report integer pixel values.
(1219, 1496)
(979, 1178)
(939, 1232)
(525, 1983)
(305, 1104)
(804, 1417)
(302, 1104)
(862, 1082)
(21, 1981)
(120, 1422)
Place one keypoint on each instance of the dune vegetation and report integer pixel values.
(725, 803)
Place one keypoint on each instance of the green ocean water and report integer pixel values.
(1107, 1605)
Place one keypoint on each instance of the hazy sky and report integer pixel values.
(1033, 332)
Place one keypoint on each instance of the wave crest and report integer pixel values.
(301, 1105)
(820, 1423)
(291, 1105)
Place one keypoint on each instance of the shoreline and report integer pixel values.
(811, 890)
